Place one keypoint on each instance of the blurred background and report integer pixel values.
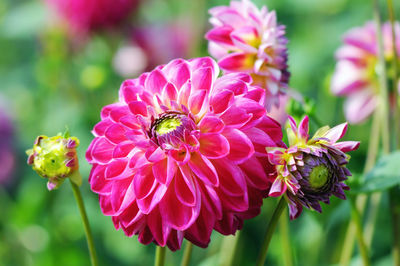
(60, 63)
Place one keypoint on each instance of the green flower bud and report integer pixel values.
(55, 158)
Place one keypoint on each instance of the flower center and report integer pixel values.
(168, 125)
(319, 176)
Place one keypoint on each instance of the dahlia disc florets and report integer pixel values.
(182, 153)
(247, 39)
(310, 170)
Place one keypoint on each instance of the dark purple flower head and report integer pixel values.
(311, 170)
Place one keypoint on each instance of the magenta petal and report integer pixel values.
(157, 226)
(211, 124)
(147, 204)
(196, 101)
(185, 187)
(241, 147)
(101, 127)
(220, 35)
(303, 128)
(138, 108)
(170, 93)
(97, 181)
(116, 167)
(277, 188)
(156, 81)
(231, 177)
(115, 133)
(204, 169)
(221, 101)
(237, 62)
(346, 146)
(255, 173)
(180, 74)
(213, 146)
(144, 183)
(202, 79)
(102, 151)
(336, 133)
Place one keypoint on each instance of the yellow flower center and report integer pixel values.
(168, 125)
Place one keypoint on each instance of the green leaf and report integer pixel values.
(384, 175)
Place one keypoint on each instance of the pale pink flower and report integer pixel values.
(247, 39)
(88, 15)
(311, 170)
(355, 75)
(182, 153)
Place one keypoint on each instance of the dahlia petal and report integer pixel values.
(115, 133)
(156, 81)
(123, 149)
(138, 108)
(117, 112)
(105, 205)
(122, 195)
(197, 100)
(278, 188)
(231, 177)
(130, 215)
(241, 148)
(184, 93)
(164, 170)
(346, 146)
(147, 204)
(116, 167)
(235, 117)
(245, 38)
(204, 169)
(255, 173)
(202, 79)
(145, 237)
(260, 140)
(102, 151)
(221, 101)
(199, 233)
(220, 35)
(185, 187)
(101, 127)
(295, 209)
(97, 181)
(155, 156)
(181, 156)
(303, 128)
(211, 124)
(336, 133)
(175, 240)
(129, 92)
(144, 183)
(213, 146)
(359, 106)
(237, 62)
(230, 17)
(204, 62)
(170, 93)
(179, 75)
(158, 228)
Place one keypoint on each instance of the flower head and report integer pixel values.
(182, 153)
(247, 39)
(55, 158)
(310, 170)
(89, 15)
(355, 75)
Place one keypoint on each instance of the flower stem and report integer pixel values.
(187, 254)
(359, 232)
(270, 230)
(285, 240)
(160, 256)
(229, 249)
(89, 238)
(395, 211)
(361, 200)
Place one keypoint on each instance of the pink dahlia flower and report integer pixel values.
(88, 15)
(182, 153)
(355, 75)
(247, 39)
(311, 169)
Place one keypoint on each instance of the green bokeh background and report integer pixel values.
(45, 86)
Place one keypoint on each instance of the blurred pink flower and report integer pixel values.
(183, 153)
(153, 45)
(88, 15)
(355, 74)
(247, 39)
(7, 153)
(279, 112)
(313, 169)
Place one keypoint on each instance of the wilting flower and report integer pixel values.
(7, 155)
(89, 15)
(153, 45)
(247, 39)
(311, 170)
(55, 158)
(183, 153)
(355, 75)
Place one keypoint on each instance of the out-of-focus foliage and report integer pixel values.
(49, 79)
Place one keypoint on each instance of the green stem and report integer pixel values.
(160, 256)
(355, 215)
(187, 254)
(270, 230)
(229, 249)
(285, 240)
(86, 225)
(395, 213)
(395, 65)
(361, 200)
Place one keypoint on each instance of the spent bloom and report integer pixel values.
(247, 39)
(310, 170)
(90, 15)
(55, 158)
(182, 153)
(355, 75)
